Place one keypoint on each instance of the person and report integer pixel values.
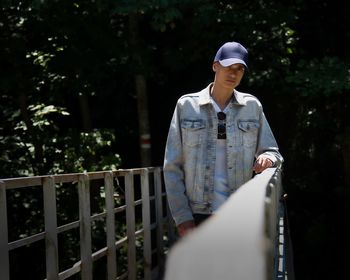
(217, 139)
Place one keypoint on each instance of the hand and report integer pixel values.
(185, 227)
(262, 163)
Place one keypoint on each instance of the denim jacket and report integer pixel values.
(190, 152)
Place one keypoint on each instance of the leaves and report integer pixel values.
(55, 52)
(327, 77)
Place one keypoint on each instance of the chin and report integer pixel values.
(231, 85)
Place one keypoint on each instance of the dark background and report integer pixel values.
(69, 102)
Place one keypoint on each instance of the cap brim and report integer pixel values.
(230, 61)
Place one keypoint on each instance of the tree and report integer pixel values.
(82, 80)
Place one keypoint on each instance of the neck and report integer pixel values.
(222, 96)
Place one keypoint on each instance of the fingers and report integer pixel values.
(261, 164)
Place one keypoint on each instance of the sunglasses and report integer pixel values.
(221, 125)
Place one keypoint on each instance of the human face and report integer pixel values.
(228, 77)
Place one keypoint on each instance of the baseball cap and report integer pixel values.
(231, 53)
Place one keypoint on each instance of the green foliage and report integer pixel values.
(60, 153)
(44, 66)
(328, 77)
(67, 94)
(92, 152)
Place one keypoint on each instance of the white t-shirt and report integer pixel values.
(221, 189)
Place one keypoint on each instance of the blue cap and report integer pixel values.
(231, 53)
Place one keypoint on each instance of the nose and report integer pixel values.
(233, 73)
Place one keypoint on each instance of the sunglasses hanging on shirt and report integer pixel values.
(221, 125)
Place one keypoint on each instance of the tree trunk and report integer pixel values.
(143, 117)
(141, 93)
(85, 112)
(346, 155)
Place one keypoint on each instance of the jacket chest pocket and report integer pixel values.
(192, 132)
(249, 130)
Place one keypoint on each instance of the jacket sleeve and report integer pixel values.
(174, 172)
(267, 144)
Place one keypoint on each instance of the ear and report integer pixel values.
(215, 66)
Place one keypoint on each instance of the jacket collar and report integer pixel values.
(204, 97)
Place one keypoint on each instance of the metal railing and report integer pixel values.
(151, 190)
(243, 240)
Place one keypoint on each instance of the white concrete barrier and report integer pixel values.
(235, 243)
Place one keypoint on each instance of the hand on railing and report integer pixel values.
(186, 227)
(262, 163)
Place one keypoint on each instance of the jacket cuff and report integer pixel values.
(184, 217)
(272, 158)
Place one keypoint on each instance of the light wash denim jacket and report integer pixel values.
(190, 153)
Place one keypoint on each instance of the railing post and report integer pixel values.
(130, 224)
(110, 224)
(146, 220)
(159, 216)
(4, 252)
(50, 228)
(85, 227)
